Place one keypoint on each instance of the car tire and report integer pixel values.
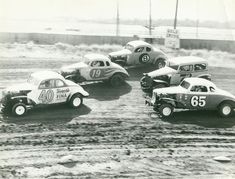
(160, 63)
(144, 58)
(116, 80)
(76, 101)
(166, 110)
(225, 109)
(19, 109)
(146, 83)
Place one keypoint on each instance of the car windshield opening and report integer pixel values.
(129, 47)
(185, 84)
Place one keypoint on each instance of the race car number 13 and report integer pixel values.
(198, 101)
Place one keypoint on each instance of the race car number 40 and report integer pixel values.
(198, 101)
(46, 96)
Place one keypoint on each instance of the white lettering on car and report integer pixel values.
(198, 101)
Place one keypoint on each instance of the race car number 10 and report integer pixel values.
(198, 101)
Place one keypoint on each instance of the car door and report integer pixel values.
(45, 93)
(199, 98)
(95, 70)
(62, 91)
(184, 71)
(136, 55)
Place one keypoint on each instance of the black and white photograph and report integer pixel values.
(117, 89)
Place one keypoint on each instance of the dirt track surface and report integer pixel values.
(113, 135)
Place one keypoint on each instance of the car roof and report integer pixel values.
(43, 75)
(96, 56)
(199, 81)
(137, 43)
(187, 60)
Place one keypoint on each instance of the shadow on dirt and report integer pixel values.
(136, 73)
(105, 92)
(59, 113)
(209, 119)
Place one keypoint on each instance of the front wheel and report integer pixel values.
(166, 110)
(225, 109)
(19, 109)
(160, 63)
(116, 80)
(76, 101)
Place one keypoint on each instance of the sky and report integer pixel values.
(202, 10)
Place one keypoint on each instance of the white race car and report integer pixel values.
(193, 94)
(45, 87)
(95, 67)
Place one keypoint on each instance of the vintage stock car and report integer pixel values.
(95, 67)
(44, 87)
(174, 72)
(136, 53)
(192, 94)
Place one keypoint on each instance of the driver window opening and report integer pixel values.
(59, 83)
(198, 88)
(186, 68)
(199, 67)
(148, 49)
(47, 84)
(140, 49)
(97, 64)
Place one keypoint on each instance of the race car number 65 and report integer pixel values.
(198, 101)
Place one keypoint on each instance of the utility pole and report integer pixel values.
(117, 19)
(150, 18)
(176, 10)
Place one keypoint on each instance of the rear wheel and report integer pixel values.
(19, 109)
(76, 101)
(166, 110)
(225, 109)
(116, 80)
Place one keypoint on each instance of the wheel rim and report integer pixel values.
(226, 110)
(166, 111)
(20, 110)
(145, 58)
(76, 102)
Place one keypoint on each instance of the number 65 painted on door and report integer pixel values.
(198, 101)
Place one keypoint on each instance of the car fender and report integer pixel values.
(22, 99)
(161, 82)
(78, 90)
(159, 57)
(227, 101)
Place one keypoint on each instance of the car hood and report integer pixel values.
(162, 71)
(20, 87)
(170, 90)
(74, 66)
(122, 52)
